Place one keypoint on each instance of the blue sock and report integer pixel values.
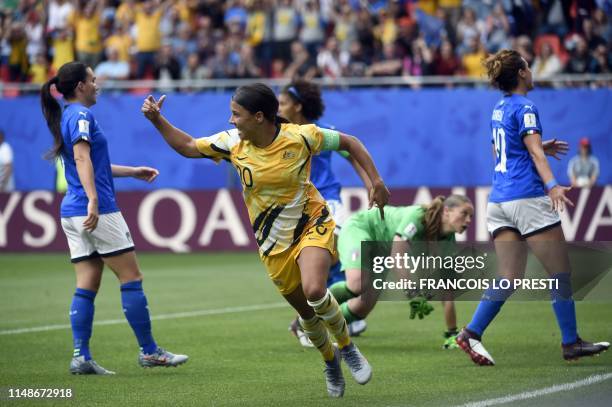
(565, 310)
(81, 320)
(335, 274)
(489, 306)
(136, 311)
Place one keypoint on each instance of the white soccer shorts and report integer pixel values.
(527, 216)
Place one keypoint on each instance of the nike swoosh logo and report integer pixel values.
(241, 158)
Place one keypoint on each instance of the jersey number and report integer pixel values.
(499, 138)
(246, 176)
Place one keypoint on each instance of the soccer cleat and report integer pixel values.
(299, 333)
(357, 363)
(161, 357)
(333, 376)
(470, 343)
(450, 339)
(79, 365)
(582, 348)
(358, 327)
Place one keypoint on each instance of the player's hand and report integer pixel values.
(420, 307)
(555, 147)
(91, 222)
(145, 173)
(379, 196)
(151, 108)
(558, 198)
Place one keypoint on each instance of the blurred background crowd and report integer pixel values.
(212, 39)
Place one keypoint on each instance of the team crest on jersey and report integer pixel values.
(288, 155)
(498, 115)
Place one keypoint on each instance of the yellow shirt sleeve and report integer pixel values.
(216, 147)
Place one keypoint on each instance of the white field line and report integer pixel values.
(541, 392)
(176, 315)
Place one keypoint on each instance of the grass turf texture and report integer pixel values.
(249, 358)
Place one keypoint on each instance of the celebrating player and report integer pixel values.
(300, 102)
(520, 210)
(293, 227)
(95, 229)
(438, 221)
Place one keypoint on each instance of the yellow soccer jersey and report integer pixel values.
(281, 200)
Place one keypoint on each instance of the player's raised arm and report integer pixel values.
(378, 193)
(180, 141)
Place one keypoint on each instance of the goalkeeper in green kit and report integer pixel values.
(438, 221)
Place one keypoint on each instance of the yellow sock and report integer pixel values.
(317, 333)
(329, 311)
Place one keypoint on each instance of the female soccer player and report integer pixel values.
(300, 102)
(293, 227)
(95, 229)
(520, 210)
(438, 221)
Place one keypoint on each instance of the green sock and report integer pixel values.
(341, 292)
(348, 315)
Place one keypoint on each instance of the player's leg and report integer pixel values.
(511, 257)
(136, 311)
(450, 318)
(313, 263)
(114, 243)
(550, 249)
(88, 269)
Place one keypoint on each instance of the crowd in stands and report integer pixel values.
(214, 39)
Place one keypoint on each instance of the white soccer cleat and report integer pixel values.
(358, 365)
(471, 345)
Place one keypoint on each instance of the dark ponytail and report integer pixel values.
(67, 79)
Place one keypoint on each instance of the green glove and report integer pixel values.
(420, 307)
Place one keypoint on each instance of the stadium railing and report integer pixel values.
(9, 89)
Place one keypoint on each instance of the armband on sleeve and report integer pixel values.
(331, 139)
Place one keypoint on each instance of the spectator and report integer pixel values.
(302, 65)
(18, 58)
(365, 33)
(39, 70)
(220, 64)
(524, 46)
(258, 32)
(547, 64)
(579, 57)
(388, 63)
(62, 50)
(600, 60)
(59, 15)
(592, 38)
(113, 68)
(247, 66)
(120, 40)
(344, 27)
(583, 169)
(194, 70)
(88, 40)
(553, 18)
(418, 62)
(34, 32)
(148, 37)
(497, 30)
(472, 59)
(467, 29)
(7, 182)
(446, 62)
(126, 12)
(358, 61)
(331, 61)
(285, 29)
(312, 33)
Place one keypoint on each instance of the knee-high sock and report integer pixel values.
(328, 310)
(348, 314)
(81, 320)
(318, 335)
(489, 306)
(565, 310)
(137, 313)
(341, 292)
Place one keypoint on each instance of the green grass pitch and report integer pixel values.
(247, 357)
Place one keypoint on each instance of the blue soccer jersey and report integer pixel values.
(78, 124)
(321, 173)
(515, 175)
